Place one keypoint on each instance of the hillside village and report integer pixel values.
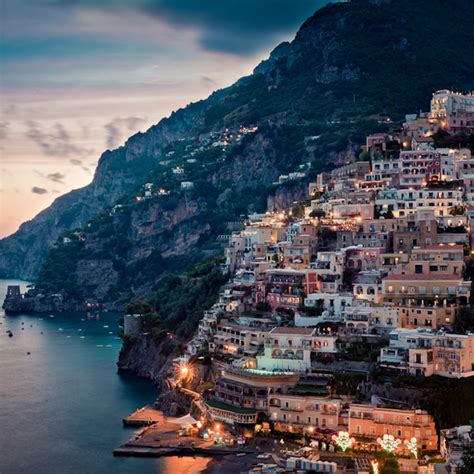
(366, 281)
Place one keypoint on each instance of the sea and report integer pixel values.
(62, 401)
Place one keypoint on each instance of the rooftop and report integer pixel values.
(295, 331)
(421, 277)
(220, 405)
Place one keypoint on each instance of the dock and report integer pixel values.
(160, 436)
(154, 452)
(145, 416)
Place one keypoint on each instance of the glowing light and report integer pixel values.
(375, 466)
(412, 445)
(199, 424)
(184, 371)
(217, 427)
(311, 429)
(343, 440)
(389, 443)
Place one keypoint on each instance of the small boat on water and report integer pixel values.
(82, 337)
(51, 315)
(106, 326)
(10, 334)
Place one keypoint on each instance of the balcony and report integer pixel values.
(292, 410)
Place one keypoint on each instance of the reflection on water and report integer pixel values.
(184, 465)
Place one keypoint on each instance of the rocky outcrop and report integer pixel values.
(285, 195)
(148, 358)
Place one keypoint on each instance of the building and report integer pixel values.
(427, 317)
(299, 413)
(436, 259)
(425, 353)
(285, 287)
(292, 348)
(132, 324)
(449, 355)
(369, 421)
(454, 110)
(248, 390)
(295, 464)
(419, 167)
(453, 442)
(368, 319)
(236, 339)
(335, 303)
(406, 289)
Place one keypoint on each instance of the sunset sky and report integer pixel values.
(80, 76)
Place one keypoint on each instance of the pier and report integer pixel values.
(145, 416)
(160, 436)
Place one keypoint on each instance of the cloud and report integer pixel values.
(37, 190)
(56, 142)
(75, 162)
(56, 177)
(234, 26)
(209, 80)
(4, 130)
(120, 127)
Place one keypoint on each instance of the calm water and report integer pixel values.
(61, 407)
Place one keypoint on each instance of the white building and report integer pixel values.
(426, 353)
(291, 348)
(367, 319)
(405, 202)
(445, 103)
(187, 185)
(453, 442)
(335, 303)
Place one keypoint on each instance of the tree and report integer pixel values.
(389, 466)
(263, 306)
(467, 461)
(317, 213)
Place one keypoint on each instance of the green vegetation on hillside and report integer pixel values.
(179, 302)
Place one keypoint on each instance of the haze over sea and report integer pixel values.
(61, 407)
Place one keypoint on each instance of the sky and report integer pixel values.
(78, 77)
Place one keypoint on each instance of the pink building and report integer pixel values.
(419, 167)
(369, 421)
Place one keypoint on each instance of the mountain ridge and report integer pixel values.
(335, 80)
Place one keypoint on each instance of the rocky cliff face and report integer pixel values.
(148, 358)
